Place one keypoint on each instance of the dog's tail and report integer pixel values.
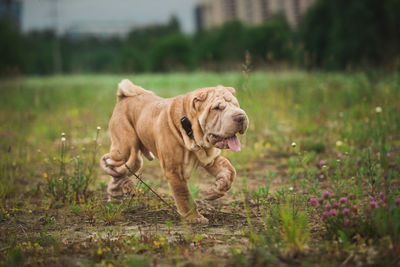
(127, 88)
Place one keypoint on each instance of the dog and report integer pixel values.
(183, 132)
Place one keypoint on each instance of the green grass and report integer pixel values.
(346, 127)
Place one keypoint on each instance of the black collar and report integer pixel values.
(186, 125)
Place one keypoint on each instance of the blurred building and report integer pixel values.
(212, 13)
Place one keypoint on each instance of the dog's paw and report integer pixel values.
(196, 218)
(111, 168)
(214, 194)
(120, 188)
(128, 187)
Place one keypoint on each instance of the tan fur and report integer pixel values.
(143, 123)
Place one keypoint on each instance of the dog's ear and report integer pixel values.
(198, 98)
(231, 89)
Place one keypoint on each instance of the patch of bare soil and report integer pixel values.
(227, 217)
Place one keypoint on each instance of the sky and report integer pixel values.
(108, 15)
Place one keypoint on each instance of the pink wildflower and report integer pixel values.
(397, 203)
(345, 211)
(326, 194)
(313, 201)
(320, 200)
(343, 200)
(355, 208)
(339, 156)
(352, 196)
(327, 207)
(374, 204)
(322, 162)
(325, 214)
(333, 212)
(336, 204)
(346, 222)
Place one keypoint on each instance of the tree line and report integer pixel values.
(333, 35)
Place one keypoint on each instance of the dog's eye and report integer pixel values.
(216, 108)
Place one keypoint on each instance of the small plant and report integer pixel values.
(110, 212)
(7, 175)
(261, 195)
(169, 224)
(64, 187)
(300, 168)
(382, 218)
(88, 209)
(294, 228)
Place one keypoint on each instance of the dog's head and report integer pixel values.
(219, 116)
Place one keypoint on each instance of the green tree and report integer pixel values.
(10, 48)
(173, 52)
(338, 34)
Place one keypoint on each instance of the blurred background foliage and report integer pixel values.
(333, 35)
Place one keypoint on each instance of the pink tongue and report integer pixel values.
(234, 144)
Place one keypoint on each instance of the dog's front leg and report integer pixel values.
(183, 200)
(224, 173)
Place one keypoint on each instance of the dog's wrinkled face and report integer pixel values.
(220, 117)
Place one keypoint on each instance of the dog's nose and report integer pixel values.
(239, 118)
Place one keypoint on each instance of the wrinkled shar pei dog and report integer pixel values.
(183, 132)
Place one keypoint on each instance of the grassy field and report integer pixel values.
(318, 175)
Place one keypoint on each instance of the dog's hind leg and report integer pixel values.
(124, 158)
(123, 185)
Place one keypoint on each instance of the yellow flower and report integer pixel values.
(99, 251)
(45, 175)
(162, 240)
